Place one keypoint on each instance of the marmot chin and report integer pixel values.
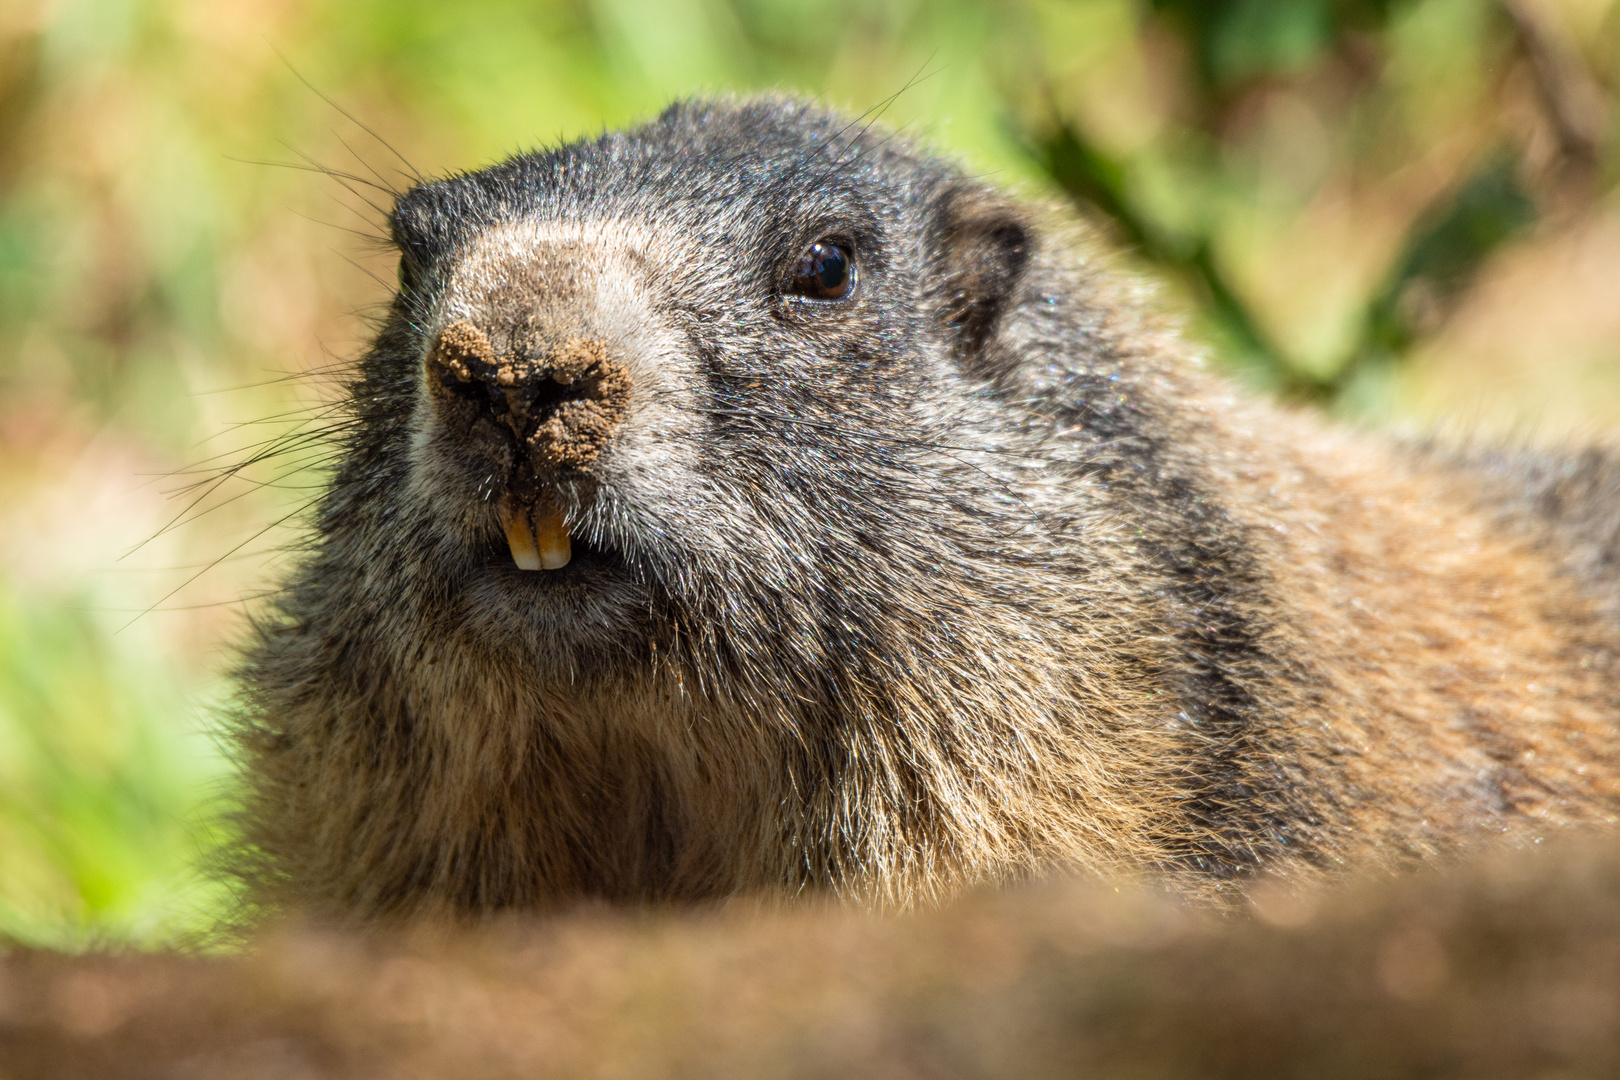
(751, 503)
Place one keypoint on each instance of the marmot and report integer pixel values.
(751, 503)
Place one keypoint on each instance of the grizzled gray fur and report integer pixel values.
(751, 503)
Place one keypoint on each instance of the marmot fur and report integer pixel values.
(751, 503)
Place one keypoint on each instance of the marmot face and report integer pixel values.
(682, 377)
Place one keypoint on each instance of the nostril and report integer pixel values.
(562, 408)
(585, 401)
(549, 395)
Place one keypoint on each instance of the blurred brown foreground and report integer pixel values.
(1509, 967)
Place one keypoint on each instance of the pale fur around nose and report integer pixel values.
(583, 308)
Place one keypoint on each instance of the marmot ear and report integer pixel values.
(983, 245)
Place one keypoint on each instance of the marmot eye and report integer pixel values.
(825, 272)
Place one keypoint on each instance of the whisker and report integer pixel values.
(346, 182)
(370, 237)
(141, 613)
(273, 525)
(410, 169)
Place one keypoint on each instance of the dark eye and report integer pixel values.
(825, 272)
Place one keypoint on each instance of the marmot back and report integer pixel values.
(749, 503)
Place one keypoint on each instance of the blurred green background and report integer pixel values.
(1399, 211)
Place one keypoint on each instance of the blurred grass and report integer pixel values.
(1395, 209)
(105, 786)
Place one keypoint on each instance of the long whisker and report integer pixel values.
(410, 169)
(871, 116)
(273, 525)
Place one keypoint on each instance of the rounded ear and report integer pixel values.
(983, 247)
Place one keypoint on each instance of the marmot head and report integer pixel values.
(684, 380)
(739, 501)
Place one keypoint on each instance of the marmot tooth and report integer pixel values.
(552, 537)
(520, 538)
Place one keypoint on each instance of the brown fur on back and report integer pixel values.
(1461, 677)
(970, 575)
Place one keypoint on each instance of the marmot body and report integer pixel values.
(891, 551)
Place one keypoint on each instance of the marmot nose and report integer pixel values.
(562, 407)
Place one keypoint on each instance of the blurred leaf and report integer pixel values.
(1090, 176)
(1447, 247)
(1234, 41)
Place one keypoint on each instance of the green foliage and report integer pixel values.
(1446, 248)
(105, 786)
(1248, 55)
(1238, 40)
